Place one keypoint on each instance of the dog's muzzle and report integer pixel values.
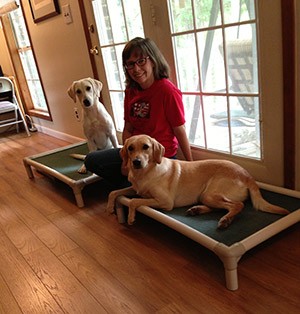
(137, 163)
(86, 102)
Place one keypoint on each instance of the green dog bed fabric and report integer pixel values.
(62, 162)
(244, 224)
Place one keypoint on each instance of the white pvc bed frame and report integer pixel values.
(229, 255)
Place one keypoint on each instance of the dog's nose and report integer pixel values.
(86, 102)
(137, 163)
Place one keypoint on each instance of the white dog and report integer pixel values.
(98, 125)
(167, 183)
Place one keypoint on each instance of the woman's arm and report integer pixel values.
(183, 141)
(127, 131)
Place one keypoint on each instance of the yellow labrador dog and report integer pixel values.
(98, 125)
(167, 183)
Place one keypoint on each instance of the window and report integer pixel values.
(215, 52)
(37, 98)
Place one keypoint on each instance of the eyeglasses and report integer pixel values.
(139, 62)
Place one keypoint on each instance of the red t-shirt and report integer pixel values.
(155, 111)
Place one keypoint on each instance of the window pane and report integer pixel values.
(207, 13)
(180, 15)
(245, 127)
(20, 30)
(103, 22)
(28, 61)
(117, 20)
(238, 10)
(194, 119)
(117, 99)
(186, 63)
(113, 67)
(216, 123)
(211, 60)
(133, 18)
(242, 60)
(33, 82)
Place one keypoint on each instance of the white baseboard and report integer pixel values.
(60, 135)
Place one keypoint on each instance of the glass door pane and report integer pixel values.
(117, 22)
(215, 53)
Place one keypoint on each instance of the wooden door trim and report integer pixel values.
(88, 37)
(288, 11)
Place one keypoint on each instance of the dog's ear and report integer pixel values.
(123, 153)
(71, 91)
(97, 86)
(158, 151)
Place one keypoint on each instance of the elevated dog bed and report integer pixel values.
(59, 164)
(248, 229)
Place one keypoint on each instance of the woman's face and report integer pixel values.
(140, 69)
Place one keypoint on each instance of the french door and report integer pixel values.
(219, 54)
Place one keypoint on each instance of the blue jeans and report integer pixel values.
(107, 165)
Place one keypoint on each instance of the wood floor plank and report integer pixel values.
(30, 294)
(8, 303)
(43, 229)
(68, 292)
(20, 235)
(113, 296)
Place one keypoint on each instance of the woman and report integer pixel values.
(152, 106)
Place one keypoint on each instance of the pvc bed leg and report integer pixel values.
(230, 257)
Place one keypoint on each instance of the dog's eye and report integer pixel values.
(145, 146)
(130, 148)
(88, 88)
(78, 91)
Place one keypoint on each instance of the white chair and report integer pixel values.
(9, 104)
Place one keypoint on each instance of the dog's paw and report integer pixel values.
(82, 170)
(193, 211)
(131, 216)
(197, 210)
(110, 208)
(130, 221)
(224, 222)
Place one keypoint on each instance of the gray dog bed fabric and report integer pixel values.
(247, 230)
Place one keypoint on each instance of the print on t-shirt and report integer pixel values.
(140, 110)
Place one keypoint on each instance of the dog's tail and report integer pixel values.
(261, 204)
(78, 156)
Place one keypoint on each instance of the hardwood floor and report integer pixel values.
(57, 258)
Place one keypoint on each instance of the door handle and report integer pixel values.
(94, 50)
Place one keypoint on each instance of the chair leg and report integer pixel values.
(24, 122)
(16, 118)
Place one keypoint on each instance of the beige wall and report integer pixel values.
(62, 57)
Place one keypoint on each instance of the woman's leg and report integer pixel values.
(107, 164)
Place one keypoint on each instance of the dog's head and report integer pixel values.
(139, 151)
(87, 91)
